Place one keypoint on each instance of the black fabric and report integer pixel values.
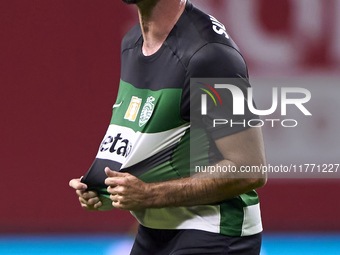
(95, 177)
(151, 162)
(192, 50)
(185, 242)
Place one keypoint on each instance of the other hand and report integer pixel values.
(89, 200)
(127, 192)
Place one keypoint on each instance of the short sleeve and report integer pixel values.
(216, 60)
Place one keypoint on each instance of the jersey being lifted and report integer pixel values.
(150, 127)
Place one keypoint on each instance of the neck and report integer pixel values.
(157, 18)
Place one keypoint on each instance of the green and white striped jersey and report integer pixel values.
(149, 133)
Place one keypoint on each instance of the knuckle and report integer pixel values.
(85, 195)
(92, 194)
(90, 202)
(97, 205)
(109, 189)
(84, 207)
(93, 201)
(120, 190)
(108, 181)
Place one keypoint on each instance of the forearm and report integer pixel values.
(241, 149)
(200, 189)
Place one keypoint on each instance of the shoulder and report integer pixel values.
(217, 60)
(131, 38)
(203, 43)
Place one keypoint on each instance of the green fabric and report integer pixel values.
(166, 107)
(251, 198)
(231, 217)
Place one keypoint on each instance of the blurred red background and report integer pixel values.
(59, 73)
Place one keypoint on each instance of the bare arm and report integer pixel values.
(241, 149)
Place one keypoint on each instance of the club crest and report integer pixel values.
(146, 111)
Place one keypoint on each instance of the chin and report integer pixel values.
(131, 1)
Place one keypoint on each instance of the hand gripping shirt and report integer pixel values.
(149, 132)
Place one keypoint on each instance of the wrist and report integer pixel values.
(151, 196)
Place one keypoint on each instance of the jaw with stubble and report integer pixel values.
(131, 1)
(142, 2)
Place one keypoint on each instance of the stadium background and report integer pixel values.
(59, 71)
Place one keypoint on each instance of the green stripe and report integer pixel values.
(232, 213)
(232, 217)
(251, 198)
(166, 107)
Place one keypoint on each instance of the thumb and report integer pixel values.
(111, 173)
(77, 184)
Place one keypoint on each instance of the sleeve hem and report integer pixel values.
(229, 129)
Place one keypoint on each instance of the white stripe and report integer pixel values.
(113, 131)
(251, 220)
(143, 145)
(147, 145)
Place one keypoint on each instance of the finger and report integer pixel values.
(76, 184)
(116, 190)
(115, 198)
(120, 206)
(86, 194)
(115, 181)
(80, 193)
(86, 207)
(111, 173)
(93, 201)
(97, 205)
(88, 203)
(82, 201)
(90, 194)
